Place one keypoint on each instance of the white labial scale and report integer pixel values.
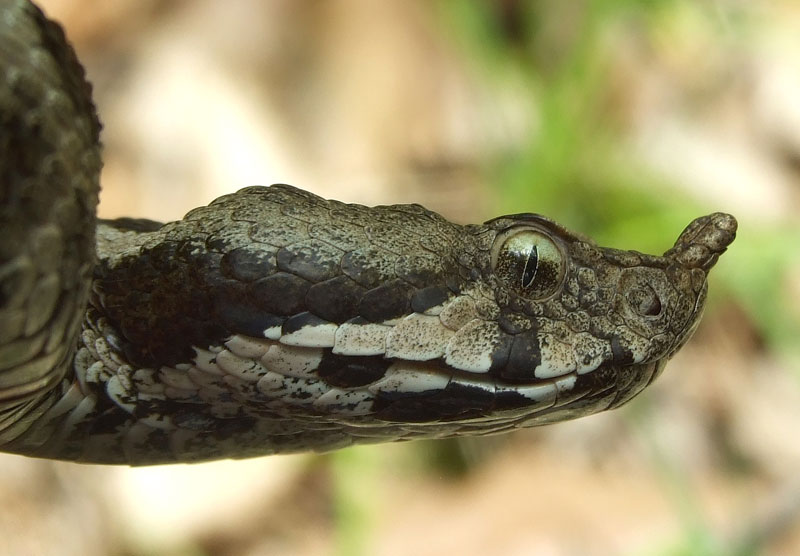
(124, 374)
(360, 339)
(120, 390)
(566, 384)
(458, 312)
(407, 377)
(489, 386)
(240, 367)
(590, 352)
(205, 361)
(211, 384)
(345, 402)
(637, 344)
(541, 393)
(418, 338)
(293, 361)
(96, 374)
(79, 415)
(88, 337)
(558, 358)
(435, 311)
(470, 349)
(304, 392)
(243, 389)
(156, 420)
(248, 347)
(291, 390)
(148, 381)
(175, 378)
(273, 333)
(320, 336)
(271, 383)
(81, 364)
(106, 354)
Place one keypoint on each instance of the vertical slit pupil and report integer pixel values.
(531, 266)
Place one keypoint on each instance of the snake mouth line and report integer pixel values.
(442, 373)
(247, 357)
(296, 376)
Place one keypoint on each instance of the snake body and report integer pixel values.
(275, 321)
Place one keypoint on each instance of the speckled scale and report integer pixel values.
(344, 235)
(281, 232)
(388, 301)
(281, 293)
(428, 297)
(353, 214)
(368, 266)
(350, 372)
(312, 260)
(247, 265)
(419, 270)
(336, 300)
(311, 211)
(392, 238)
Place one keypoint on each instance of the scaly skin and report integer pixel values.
(275, 321)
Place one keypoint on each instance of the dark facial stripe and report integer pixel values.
(351, 371)
(386, 302)
(456, 401)
(620, 354)
(522, 358)
(301, 320)
(335, 300)
(429, 297)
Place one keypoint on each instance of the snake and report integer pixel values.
(275, 321)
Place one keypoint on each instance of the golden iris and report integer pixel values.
(530, 263)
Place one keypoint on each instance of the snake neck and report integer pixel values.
(49, 184)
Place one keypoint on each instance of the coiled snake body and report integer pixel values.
(276, 321)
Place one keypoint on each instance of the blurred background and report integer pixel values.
(621, 119)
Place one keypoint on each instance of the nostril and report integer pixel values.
(644, 301)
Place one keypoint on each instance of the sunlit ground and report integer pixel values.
(623, 120)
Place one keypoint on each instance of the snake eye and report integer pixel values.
(529, 262)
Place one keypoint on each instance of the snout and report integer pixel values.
(703, 241)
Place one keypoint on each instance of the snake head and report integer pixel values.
(333, 324)
(601, 321)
